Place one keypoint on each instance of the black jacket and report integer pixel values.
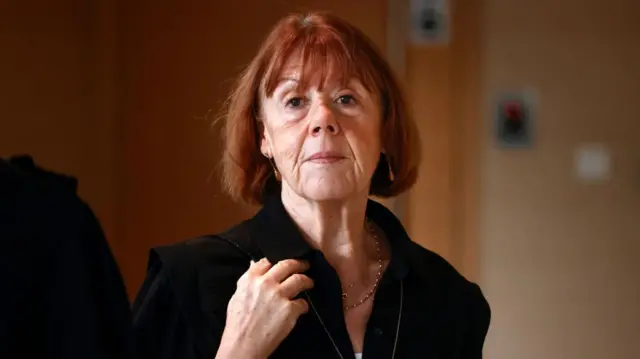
(180, 311)
(61, 293)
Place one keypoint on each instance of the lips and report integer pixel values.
(326, 157)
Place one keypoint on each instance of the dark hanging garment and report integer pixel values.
(61, 292)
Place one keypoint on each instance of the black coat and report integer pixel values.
(180, 311)
(61, 293)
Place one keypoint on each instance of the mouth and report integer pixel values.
(326, 157)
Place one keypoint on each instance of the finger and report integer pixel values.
(295, 284)
(299, 306)
(260, 267)
(284, 269)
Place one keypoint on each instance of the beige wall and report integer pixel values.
(444, 85)
(560, 259)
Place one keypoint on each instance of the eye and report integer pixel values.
(346, 100)
(295, 102)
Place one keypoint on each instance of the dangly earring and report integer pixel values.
(391, 175)
(275, 169)
(276, 173)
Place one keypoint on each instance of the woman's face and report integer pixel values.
(326, 144)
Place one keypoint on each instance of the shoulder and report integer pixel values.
(461, 304)
(212, 254)
(185, 294)
(433, 267)
(205, 249)
(202, 268)
(447, 280)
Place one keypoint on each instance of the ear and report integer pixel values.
(265, 143)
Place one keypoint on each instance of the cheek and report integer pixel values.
(365, 141)
(372, 154)
(283, 136)
(287, 143)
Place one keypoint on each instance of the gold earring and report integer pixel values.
(275, 169)
(391, 175)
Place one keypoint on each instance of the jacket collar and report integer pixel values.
(278, 237)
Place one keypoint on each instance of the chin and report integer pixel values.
(328, 192)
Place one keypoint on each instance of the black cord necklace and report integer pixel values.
(395, 343)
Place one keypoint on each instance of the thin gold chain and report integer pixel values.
(369, 294)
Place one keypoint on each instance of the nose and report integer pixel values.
(323, 119)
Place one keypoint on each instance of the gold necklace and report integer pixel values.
(369, 293)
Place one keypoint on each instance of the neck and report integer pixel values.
(336, 228)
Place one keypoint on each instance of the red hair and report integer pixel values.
(327, 47)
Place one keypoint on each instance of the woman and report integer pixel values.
(314, 126)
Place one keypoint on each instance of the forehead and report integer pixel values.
(301, 78)
(315, 61)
